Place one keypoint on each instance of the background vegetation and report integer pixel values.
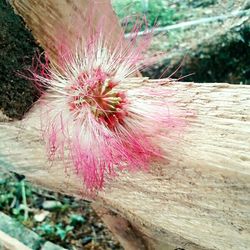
(216, 51)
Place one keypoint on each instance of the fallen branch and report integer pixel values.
(198, 198)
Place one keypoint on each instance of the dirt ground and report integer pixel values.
(17, 48)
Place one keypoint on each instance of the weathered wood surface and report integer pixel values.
(9, 243)
(199, 199)
(53, 20)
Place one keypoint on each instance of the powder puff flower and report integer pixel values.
(93, 117)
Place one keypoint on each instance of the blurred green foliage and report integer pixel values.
(71, 223)
(53, 232)
(157, 12)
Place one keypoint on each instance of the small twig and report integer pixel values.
(25, 206)
(43, 194)
(13, 203)
(94, 238)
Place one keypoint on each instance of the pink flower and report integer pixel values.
(92, 118)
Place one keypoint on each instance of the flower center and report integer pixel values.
(98, 93)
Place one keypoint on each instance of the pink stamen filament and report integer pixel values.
(105, 104)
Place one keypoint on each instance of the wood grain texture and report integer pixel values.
(197, 199)
(9, 243)
(51, 21)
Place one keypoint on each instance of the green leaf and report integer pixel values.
(76, 219)
(46, 229)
